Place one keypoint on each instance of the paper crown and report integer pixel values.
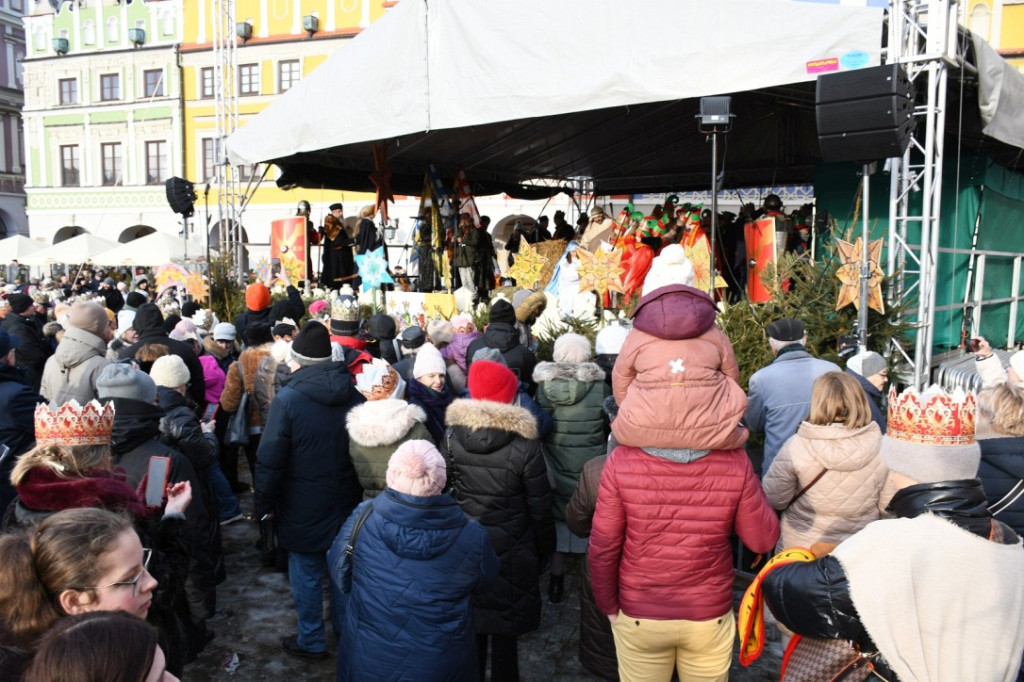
(378, 380)
(73, 424)
(933, 417)
(345, 308)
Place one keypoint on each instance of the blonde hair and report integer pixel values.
(367, 211)
(67, 461)
(838, 398)
(1003, 407)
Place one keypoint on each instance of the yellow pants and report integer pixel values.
(649, 650)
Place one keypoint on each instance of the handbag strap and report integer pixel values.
(1008, 499)
(806, 488)
(241, 375)
(350, 548)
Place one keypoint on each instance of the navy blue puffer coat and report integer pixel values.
(416, 562)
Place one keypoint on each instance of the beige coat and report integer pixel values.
(852, 493)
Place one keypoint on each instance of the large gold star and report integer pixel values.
(699, 254)
(849, 274)
(600, 271)
(528, 266)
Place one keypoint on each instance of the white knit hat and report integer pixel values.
(571, 348)
(428, 361)
(169, 371)
(671, 266)
(225, 331)
(125, 319)
(610, 339)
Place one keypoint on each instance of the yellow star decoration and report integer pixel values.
(295, 268)
(170, 275)
(196, 285)
(700, 257)
(849, 274)
(528, 266)
(600, 271)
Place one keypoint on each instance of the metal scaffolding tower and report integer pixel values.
(225, 73)
(922, 37)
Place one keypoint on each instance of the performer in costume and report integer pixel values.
(312, 238)
(599, 229)
(483, 266)
(339, 265)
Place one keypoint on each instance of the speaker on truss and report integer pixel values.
(865, 114)
(181, 195)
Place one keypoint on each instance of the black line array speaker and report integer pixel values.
(865, 114)
(181, 195)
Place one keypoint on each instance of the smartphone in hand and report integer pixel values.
(211, 412)
(156, 483)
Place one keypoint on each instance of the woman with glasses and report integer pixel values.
(75, 561)
(70, 469)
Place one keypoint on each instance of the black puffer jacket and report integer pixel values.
(497, 473)
(1002, 468)
(34, 350)
(179, 428)
(813, 598)
(303, 470)
(17, 424)
(504, 337)
(149, 325)
(136, 438)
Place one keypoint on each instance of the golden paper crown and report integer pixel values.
(933, 417)
(73, 424)
(344, 308)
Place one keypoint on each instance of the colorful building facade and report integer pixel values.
(288, 39)
(1001, 23)
(102, 117)
(12, 163)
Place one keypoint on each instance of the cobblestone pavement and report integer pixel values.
(255, 612)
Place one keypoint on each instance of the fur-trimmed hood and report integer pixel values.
(588, 372)
(479, 415)
(382, 422)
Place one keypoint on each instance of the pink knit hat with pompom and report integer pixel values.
(417, 468)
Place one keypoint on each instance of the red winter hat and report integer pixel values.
(492, 381)
(257, 297)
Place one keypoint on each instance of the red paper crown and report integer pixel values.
(931, 418)
(73, 424)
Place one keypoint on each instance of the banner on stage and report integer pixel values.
(288, 244)
(413, 308)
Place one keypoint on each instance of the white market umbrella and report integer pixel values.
(78, 249)
(17, 248)
(157, 248)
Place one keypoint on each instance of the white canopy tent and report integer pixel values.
(462, 66)
(17, 248)
(78, 249)
(154, 249)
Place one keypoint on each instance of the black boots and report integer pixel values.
(556, 589)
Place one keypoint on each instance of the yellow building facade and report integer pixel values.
(281, 50)
(1001, 23)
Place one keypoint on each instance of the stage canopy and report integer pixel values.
(515, 90)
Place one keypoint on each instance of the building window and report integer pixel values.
(89, 32)
(209, 158)
(110, 87)
(167, 23)
(68, 90)
(113, 30)
(156, 162)
(206, 82)
(154, 79)
(249, 79)
(111, 153)
(288, 74)
(245, 173)
(18, 5)
(69, 174)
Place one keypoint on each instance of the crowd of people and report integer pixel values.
(427, 478)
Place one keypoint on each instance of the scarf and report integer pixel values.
(43, 490)
(434, 403)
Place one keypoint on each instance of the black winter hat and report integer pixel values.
(502, 311)
(147, 317)
(413, 337)
(381, 327)
(312, 344)
(282, 309)
(135, 299)
(786, 329)
(189, 308)
(170, 322)
(19, 303)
